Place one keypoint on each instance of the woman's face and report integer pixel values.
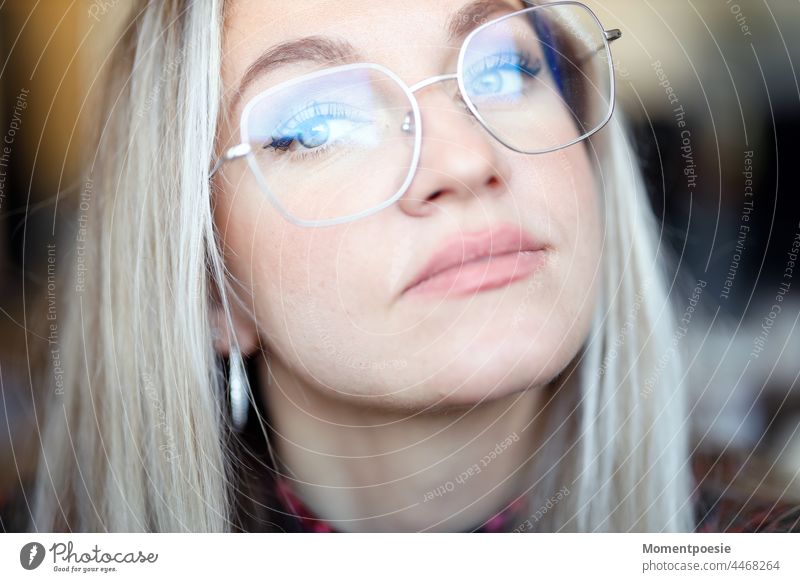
(331, 304)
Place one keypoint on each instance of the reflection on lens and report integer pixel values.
(332, 145)
(539, 79)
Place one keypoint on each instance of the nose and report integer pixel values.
(459, 159)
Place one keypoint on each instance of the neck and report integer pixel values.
(368, 469)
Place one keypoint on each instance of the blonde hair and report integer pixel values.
(140, 440)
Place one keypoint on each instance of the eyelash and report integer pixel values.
(286, 133)
(520, 61)
(329, 110)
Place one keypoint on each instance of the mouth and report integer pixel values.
(472, 262)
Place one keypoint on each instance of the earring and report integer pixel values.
(237, 389)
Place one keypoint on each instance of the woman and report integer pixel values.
(423, 294)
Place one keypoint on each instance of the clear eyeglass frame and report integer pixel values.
(245, 149)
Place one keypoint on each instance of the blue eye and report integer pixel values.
(317, 126)
(502, 75)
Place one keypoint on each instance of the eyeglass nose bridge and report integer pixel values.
(431, 81)
(408, 121)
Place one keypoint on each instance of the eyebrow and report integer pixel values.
(472, 15)
(326, 50)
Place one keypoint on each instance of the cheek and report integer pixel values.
(272, 258)
(311, 290)
(567, 206)
(584, 222)
(570, 200)
(579, 215)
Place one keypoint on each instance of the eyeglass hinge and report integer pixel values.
(613, 34)
(237, 151)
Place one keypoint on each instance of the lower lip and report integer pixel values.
(481, 274)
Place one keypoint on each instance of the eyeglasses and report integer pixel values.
(343, 143)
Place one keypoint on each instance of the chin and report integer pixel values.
(530, 354)
(468, 381)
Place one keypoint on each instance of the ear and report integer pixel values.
(244, 330)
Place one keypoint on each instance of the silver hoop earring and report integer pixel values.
(237, 390)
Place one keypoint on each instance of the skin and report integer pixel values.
(380, 397)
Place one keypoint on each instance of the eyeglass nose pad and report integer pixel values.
(408, 123)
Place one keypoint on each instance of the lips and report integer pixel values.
(474, 261)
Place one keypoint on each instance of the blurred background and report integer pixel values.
(712, 93)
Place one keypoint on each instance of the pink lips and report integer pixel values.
(472, 262)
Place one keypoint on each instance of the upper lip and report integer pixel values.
(468, 246)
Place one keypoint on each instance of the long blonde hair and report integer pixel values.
(136, 437)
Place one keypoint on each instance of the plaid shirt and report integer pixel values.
(723, 504)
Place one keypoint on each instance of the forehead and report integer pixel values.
(398, 33)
